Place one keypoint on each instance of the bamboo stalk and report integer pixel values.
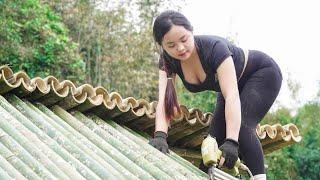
(141, 141)
(25, 156)
(12, 171)
(70, 101)
(125, 117)
(175, 127)
(63, 146)
(143, 136)
(78, 139)
(6, 80)
(141, 123)
(188, 164)
(105, 131)
(89, 147)
(176, 158)
(82, 153)
(53, 96)
(100, 111)
(193, 140)
(109, 144)
(89, 104)
(33, 145)
(4, 174)
(24, 169)
(194, 161)
(61, 167)
(187, 153)
(268, 148)
(148, 124)
(186, 131)
(62, 155)
(42, 88)
(104, 111)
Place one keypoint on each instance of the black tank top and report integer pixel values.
(212, 51)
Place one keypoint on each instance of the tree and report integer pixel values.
(299, 161)
(280, 163)
(307, 154)
(115, 40)
(33, 38)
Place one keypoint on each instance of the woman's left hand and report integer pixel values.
(229, 153)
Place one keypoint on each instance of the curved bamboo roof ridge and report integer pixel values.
(187, 129)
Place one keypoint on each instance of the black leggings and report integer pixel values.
(258, 88)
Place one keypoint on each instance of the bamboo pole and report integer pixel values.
(12, 171)
(143, 136)
(89, 147)
(87, 157)
(187, 153)
(78, 139)
(60, 167)
(141, 141)
(186, 131)
(90, 166)
(125, 117)
(63, 155)
(24, 155)
(4, 174)
(141, 123)
(109, 144)
(30, 143)
(106, 131)
(52, 97)
(268, 148)
(193, 140)
(24, 169)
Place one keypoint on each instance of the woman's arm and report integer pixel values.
(229, 88)
(161, 123)
(159, 140)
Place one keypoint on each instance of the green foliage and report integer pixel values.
(280, 165)
(115, 41)
(307, 155)
(205, 101)
(302, 160)
(33, 38)
(282, 116)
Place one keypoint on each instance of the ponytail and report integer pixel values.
(162, 24)
(171, 105)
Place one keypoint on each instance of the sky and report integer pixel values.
(287, 30)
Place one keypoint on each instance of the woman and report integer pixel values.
(246, 81)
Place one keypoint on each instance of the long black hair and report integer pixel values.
(162, 24)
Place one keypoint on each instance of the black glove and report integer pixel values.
(230, 152)
(160, 142)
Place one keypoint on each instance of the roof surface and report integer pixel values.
(37, 142)
(54, 126)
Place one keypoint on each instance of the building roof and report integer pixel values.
(50, 126)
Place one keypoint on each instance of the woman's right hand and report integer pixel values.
(159, 141)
